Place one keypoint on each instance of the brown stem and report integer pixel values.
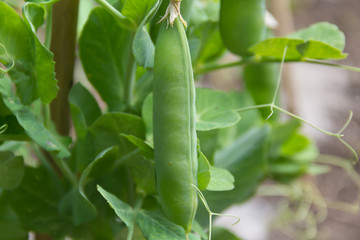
(63, 42)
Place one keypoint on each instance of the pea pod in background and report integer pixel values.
(242, 24)
(175, 138)
(260, 81)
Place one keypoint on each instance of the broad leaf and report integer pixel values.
(157, 228)
(214, 110)
(45, 76)
(122, 210)
(220, 233)
(84, 109)
(78, 208)
(203, 174)
(246, 160)
(143, 47)
(19, 42)
(6, 60)
(102, 164)
(33, 72)
(143, 87)
(221, 180)
(205, 43)
(10, 227)
(11, 170)
(104, 51)
(37, 209)
(33, 127)
(145, 149)
(106, 130)
(319, 41)
(323, 32)
(137, 9)
(13, 130)
(35, 15)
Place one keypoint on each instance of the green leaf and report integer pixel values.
(221, 180)
(157, 228)
(44, 2)
(102, 164)
(281, 133)
(33, 127)
(203, 173)
(291, 154)
(246, 160)
(142, 167)
(104, 51)
(146, 150)
(35, 15)
(11, 170)
(35, 203)
(143, 48)
(10, 227)
(33, 72)
(45, 76)
(320, 41)
(106, 130)
(324, 32)
(122, 210)
(143, 87)
(220, 233)
(205, 42)
(214, 110)
(143, 174)
(13, 130)
(197, 228)
(77, 207)
(137, 9)
(84, 109)
(192, 236)
(19, 42)
(6, 60)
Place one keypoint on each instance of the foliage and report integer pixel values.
(61, 193)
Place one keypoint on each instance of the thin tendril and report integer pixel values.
(279, 75)
(202, 197)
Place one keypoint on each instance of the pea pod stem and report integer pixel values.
(172, 12)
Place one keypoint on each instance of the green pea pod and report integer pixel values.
(174, 125)
(260, 80)
(242, 24)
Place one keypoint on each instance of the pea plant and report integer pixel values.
(147, 154)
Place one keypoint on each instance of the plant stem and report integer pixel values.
(48, 27)
(63, 41)
(216, 66)
(130, 76)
